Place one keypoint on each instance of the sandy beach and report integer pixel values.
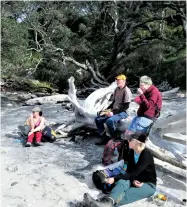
(58, 174)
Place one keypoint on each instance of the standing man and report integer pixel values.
(150, 104)
(120, 103)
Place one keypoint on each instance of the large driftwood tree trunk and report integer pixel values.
(98, 100)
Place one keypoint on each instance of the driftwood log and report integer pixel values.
(48, 99)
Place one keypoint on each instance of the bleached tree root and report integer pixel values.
(67, 124)
(168, 93)
(176, 137)
(175, 121)
(99, 100)
(68, 130)
(170, 167)
(163, 155)
(172, 124)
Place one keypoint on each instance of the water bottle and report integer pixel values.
(116, 155)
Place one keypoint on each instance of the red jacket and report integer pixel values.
(148, 102)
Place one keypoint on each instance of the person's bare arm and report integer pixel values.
(30, 121)
(41, 126)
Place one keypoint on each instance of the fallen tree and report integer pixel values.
(99, 100)
(48, 99)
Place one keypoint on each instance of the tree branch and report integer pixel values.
(94, 74)
(86, 66)
(33, 70)
(97, 70)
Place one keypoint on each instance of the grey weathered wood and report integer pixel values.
(178, 138)
(99, 100)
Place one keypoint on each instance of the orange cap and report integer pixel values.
(121, 77)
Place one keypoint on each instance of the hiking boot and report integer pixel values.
(37, 144)
(104, 202)
(102, 142)
(28, 144)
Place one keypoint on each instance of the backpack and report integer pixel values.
(24, 130)
(124, 151)
(48, 135)
(99, 178)
(109, 151)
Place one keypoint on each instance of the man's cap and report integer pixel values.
(146, 79)
(36, 109)
(121, 77)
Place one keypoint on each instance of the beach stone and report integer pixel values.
(14, 183)
(11, 169)
(20, 205)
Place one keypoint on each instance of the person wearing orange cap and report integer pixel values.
(120, 103)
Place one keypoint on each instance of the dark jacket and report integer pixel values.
(143, 170)
(150, 102)
(120, 100)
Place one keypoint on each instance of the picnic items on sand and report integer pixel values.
(159, 198)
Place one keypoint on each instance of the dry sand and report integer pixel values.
(58, 174)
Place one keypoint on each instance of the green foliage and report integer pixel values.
(85, 31)
(36, 85)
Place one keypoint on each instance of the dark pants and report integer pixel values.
(124, 193)
(110, 122)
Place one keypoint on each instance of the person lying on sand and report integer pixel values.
(36, 122)
(137, 183)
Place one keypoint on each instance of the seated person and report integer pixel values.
(120, 103)
(137, 183)
(36, 124)
(150, 104)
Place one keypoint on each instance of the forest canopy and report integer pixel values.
(94, 41)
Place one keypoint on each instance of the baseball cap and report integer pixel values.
(121, 77)
(36, 109)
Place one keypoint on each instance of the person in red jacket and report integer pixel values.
(150, 104)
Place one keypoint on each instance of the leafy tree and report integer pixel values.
(94, 41)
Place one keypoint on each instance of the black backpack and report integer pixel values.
(47, 135)
(124, 151)
(99, 178)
